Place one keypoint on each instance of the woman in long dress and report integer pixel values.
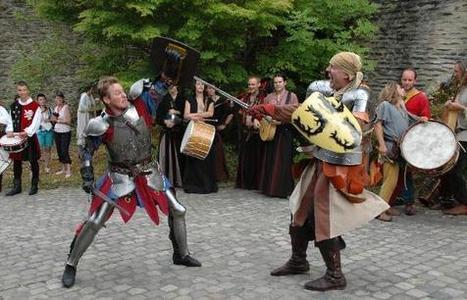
(169, 115)
(199, 176)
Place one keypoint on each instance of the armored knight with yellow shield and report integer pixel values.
(329, 198)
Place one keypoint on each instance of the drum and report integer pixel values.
(198, 139)
(14, 144)
(430, 147)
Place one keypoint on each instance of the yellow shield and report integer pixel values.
(327, 123)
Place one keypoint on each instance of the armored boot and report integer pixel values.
(34, 186)
(82, 241)
(181, 257)
(177, 235)
(334, 278)
(16, 189)
(297, 264)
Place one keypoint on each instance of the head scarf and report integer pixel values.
(351, 65)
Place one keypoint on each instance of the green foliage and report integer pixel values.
(236, 38)
(446, 91)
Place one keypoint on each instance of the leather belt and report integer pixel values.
(143, 167)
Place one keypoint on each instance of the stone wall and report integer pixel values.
(20, 30)
(429, 35)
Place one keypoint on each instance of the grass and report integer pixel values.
(52, 181)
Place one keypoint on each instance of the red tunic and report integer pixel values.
(26, 114)
(417, 103)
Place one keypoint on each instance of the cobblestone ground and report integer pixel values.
(239, 236)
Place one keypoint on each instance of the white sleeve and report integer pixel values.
(36, 123)
(6, 118)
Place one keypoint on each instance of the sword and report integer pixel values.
(225, 94)
(104, 197)
(230, 97)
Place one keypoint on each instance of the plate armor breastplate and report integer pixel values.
(131, 140)
(129, 153)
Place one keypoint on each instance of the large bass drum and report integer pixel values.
(198, 139)
(430, 147)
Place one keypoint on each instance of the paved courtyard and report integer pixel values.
(239, 236)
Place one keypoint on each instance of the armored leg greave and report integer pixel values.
(177, 234)
(84, 239)
(177, 225)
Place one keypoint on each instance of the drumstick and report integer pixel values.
(211, 120)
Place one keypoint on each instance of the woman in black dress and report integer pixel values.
(199, 176)
(169, 115)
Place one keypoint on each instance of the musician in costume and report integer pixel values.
(169, 116)
(133, 177)
(416, 103)
(6, 126)
(330, 198)
(26, 117)
(277, 179)
(455, 181)
(199, 176)
(392, 121)
(251, 148)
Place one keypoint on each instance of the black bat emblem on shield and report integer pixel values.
(317, 117)
(347, 145)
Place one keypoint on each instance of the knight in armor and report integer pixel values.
(133, 177)
(26, 117)
(330, 198)
(6, 126)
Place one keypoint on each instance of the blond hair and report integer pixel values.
(390, 93)
(104, 84)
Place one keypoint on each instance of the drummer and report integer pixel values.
(26, 117)
(416, 102)
(392, 120)
(6, 125)
(199, 176)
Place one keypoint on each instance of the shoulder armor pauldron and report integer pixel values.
(357, 99)
(361, 94)
(97, 126)
(137, 88)
(322, 86)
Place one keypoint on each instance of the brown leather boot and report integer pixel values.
(334, 278)
(297, 264)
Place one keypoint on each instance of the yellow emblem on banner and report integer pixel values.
(327, 123)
